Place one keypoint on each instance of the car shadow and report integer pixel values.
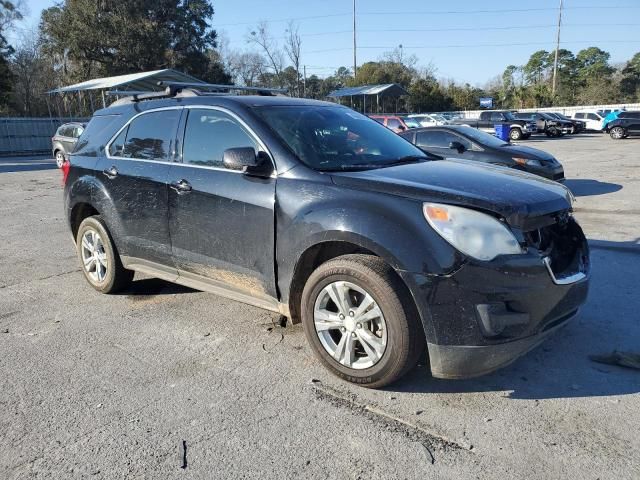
(560, 367)
(151, 287)
(586, 187)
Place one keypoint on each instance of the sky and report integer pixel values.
(466, 40)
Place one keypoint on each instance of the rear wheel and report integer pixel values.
(515, 134)
(360, 322)
(617, 133)
(59, 158)
(99, 259)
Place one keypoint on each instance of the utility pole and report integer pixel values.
(355, 65)
(304, 81)
(555, 62)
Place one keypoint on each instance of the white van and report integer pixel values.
(592, 118)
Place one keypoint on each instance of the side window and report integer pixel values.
(496, 117)
(393, 123)
(578, 116)
(378, 119)
(151, 136)
(117, 146)
(593, 116)
(77, 131)
(439, 139)
(209, 133)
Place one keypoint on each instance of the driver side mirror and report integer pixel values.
(457, 146)
(246, 160)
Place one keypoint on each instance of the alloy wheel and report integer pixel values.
(617, 132)
(59, 158)
(350, 325)
(94, 257)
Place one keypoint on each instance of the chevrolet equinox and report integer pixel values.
(317, 212)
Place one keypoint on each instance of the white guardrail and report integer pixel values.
(568, 111)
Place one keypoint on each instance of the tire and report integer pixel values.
(99, 259)
(397, 330)
(515, 134)
(59, 156)
(617, 133)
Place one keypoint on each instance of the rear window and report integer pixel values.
(97, 131)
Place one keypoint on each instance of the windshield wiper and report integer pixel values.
(406, 159)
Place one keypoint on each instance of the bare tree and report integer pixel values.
(261, 38)
(398, 55)
(246, 67)
(292, 45)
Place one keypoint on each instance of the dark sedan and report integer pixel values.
(460, 141)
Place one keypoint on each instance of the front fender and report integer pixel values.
(391, 227)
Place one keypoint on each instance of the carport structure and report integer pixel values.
(62, 99)
(380, 92)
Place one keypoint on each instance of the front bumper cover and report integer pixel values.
(529, 302)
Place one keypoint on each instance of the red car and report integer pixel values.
(392, 122)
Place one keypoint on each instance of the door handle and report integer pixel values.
(111, 172)
(181, 186)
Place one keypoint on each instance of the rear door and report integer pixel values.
(135, 174)
(221, 220)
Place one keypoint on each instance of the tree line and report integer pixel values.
(82, 39)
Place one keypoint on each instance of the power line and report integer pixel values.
(474, 45)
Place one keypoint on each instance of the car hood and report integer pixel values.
(521, 198)
(529, 152)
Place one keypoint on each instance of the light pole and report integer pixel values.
(355, 65)
(555, 61)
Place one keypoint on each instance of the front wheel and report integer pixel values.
(99, 259)
(617, 133)
(360, 322)
(515, 134)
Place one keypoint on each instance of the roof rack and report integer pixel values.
(174, 89)
(221, 88)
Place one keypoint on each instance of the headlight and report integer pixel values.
(473, 233)
(527, 161)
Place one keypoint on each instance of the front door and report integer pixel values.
(221, 221)
(135, 174)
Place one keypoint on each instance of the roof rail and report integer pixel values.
(220, 88)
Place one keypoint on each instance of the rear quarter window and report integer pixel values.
(96, 134)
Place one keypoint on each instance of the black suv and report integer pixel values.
(314, 211)
(627, 123)
(545, 123)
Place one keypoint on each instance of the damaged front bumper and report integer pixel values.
(487, 314)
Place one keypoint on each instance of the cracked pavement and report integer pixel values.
(111, 386)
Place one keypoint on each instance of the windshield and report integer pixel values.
(482, 138)
(337, 138)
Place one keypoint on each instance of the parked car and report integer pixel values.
(592, 118)
(609, 117)
(394, 123)
(65, 140)
(519, 129)
(411, 122)
(627, 123)
(545, 123)
(314, 211)
(461, 141)
(577, 125)
(430, 119)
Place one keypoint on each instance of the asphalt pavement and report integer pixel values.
(167, 382)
